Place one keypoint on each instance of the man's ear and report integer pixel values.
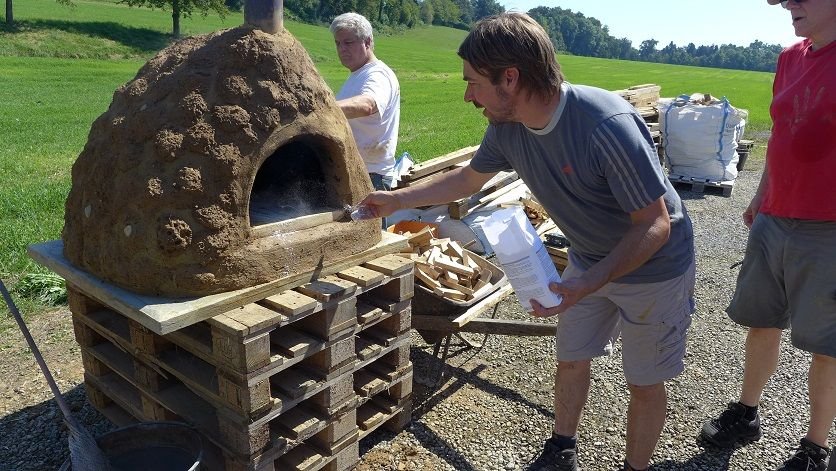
(511, 77)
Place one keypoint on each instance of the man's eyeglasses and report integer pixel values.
(785, 2)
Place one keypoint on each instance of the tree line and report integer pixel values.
(570, 32)
(586, 36)
(396, 14)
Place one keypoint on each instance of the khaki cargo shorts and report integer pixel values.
(651, 318)
(788, 278)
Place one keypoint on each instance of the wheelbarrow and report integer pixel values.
(438, 320)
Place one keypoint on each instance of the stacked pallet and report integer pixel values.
(290, 382)
(645, 98)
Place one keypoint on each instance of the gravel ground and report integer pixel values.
(493, 408)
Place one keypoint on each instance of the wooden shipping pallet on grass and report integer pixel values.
(698, 185)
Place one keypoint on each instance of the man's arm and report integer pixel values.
(650, 229)
(358, 106)
(450, 186)
(755, 205)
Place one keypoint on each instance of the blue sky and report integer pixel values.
(702, 22)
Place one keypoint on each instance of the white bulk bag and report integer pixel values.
(701, 136)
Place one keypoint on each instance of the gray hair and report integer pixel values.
(354, 22)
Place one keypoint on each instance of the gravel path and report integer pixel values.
(494, 409)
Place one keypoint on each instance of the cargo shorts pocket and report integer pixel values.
(670, 346)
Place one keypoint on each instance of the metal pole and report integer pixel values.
(265, 15)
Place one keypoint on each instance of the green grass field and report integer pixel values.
(59, 67)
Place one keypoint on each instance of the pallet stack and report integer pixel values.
(290, 382)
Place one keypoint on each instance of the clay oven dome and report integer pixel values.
(187, 181)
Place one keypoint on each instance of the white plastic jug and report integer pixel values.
(523, 257)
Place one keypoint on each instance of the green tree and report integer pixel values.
(647, 50)
(483, 8)
(10, 17)
(183, 8)
(427, 12)
(305, 10)
(465, 11)
(407, 13)
(445, 12)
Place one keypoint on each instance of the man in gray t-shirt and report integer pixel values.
(588, 158)
(591, 166)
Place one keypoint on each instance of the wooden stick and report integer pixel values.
(483, 305)
(298, 224)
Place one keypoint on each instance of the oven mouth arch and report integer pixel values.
(298, 186)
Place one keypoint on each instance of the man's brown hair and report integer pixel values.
(513, 40)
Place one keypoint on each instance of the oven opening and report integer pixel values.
(290, 191)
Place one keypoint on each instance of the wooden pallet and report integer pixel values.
(114, 377)
(165, 315)
(265, 381)
(698, 185)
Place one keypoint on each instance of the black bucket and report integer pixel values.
(161, 446)
(742, 156)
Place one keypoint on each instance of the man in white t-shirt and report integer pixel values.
(370, 97)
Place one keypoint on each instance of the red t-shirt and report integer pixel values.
(801, 155)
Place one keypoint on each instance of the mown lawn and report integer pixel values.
(59, 67)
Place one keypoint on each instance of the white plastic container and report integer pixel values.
(523, 257)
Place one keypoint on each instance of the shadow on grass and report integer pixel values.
(143, 40)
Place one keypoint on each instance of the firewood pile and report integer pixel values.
(447, 268)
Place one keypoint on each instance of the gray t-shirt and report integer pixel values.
(592, 166)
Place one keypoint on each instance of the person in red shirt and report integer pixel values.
(788, 277)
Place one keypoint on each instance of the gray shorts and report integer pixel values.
(788, 278)
(652, 319)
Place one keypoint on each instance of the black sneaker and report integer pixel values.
(808, 457)
(732, 427)
(553, 458)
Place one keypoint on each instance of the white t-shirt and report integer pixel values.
(376, 135)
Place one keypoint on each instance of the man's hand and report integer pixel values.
(571, 289)
(381, 203)
(752, 211)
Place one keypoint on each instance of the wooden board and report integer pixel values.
(299, 223)
(486, 326)
(163, 315)
(439, 163)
